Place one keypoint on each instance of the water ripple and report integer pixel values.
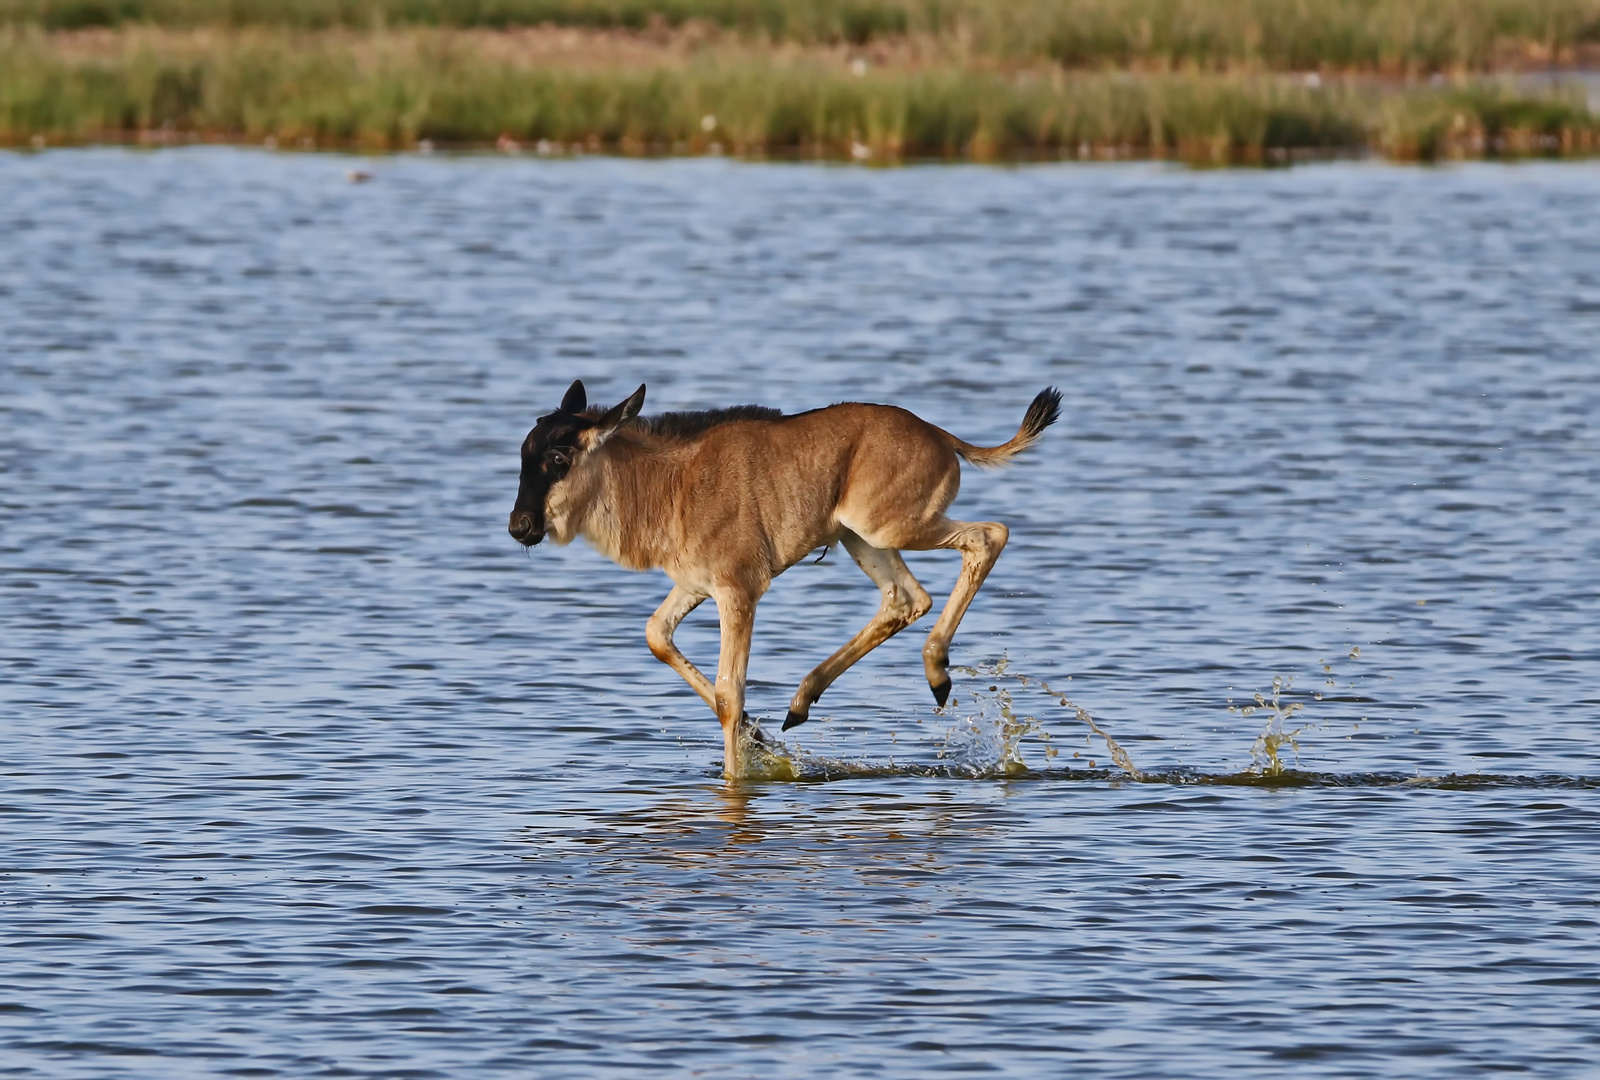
(309, 770)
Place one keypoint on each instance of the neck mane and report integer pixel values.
(682, 426)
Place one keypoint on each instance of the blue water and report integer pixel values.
(309, 770)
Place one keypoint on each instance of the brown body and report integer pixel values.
(725, 502)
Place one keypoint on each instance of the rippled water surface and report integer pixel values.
(308, 769)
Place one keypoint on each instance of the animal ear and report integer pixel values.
(617, 416)
(576, 400)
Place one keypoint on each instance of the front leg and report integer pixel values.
(738, 613)
(659, 630)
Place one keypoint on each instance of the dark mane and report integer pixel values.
(685, 425)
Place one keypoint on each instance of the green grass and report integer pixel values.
(392, 89)
(1417, 36)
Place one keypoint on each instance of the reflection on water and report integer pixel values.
(308, 769)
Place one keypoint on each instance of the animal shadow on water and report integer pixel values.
(725, 500)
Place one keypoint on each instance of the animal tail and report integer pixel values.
(1043, 411)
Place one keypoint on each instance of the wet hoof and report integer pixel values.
(794, 719)
(941, 692)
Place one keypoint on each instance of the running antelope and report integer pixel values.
(726, 500)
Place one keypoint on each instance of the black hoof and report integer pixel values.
(941, 692)
(794, 719)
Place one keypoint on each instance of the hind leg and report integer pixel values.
(904, 602)
(980, 544)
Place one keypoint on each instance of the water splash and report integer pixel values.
(1012, 730)
(982, 744)
(770, 759)
(988, 745)
(766, 757)
(1264, 756)
(985, 744)
(989, 752)
(986, 741)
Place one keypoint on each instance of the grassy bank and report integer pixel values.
(1392, 36)
(394, 89)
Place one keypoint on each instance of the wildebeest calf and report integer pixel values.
(726, 500)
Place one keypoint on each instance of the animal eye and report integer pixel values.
(558, 457)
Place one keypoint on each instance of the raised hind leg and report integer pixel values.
(980, 544)
(659, 630)
(904, 602)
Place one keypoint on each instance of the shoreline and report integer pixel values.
(158, 141)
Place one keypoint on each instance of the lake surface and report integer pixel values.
(309, 770)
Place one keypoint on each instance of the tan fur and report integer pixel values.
(725, 510)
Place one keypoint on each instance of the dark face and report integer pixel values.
(547, 456)
(551, 448)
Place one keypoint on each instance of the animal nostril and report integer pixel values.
(521, 525)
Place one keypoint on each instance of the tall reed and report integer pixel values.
(394, 88)
(1368, 35)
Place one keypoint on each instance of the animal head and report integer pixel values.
(559, 443)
